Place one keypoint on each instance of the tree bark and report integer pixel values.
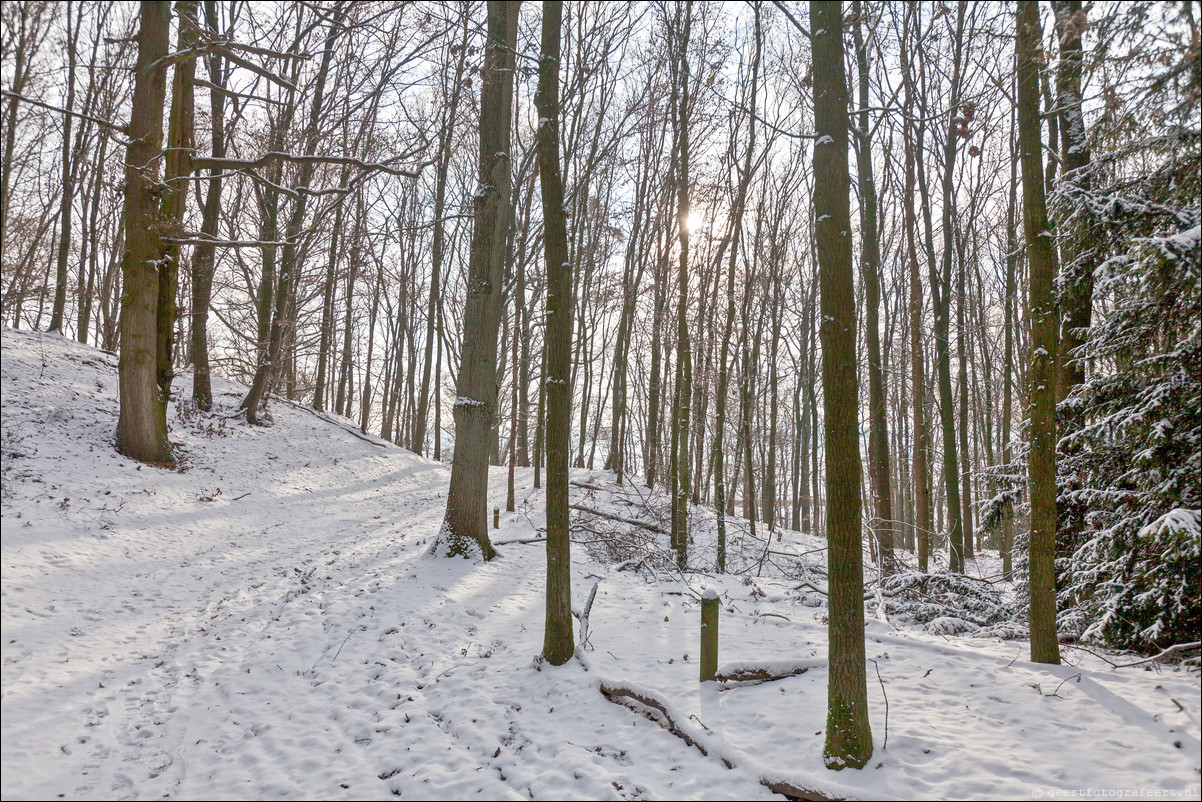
(941, 283)
(848, 737)
(558, 643)
(277, 312)
(684, 353)
(142, 421)
(204, 255)
(1007, 544)
(733, 236)
(465, 528)
(177, 175)
(445, 139)
(870, 264)
(922, 486)
(1041, 257)
(58, 313)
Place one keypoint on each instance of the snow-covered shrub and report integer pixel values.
(926, 598)
(949, 625)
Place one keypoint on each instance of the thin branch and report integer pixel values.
(210, 163)
(121, 129)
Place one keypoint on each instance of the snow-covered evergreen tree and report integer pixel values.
(1129, 469)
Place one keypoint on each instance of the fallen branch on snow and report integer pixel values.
(628, 697)
(611, 517)
(1179, 647)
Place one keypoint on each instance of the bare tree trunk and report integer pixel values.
(1041, 257)
(848, 737)
(684, 355)
(342, 398)
(557, 639)
(941, 288)
(326, 335)
(870, 266)
(465, 528)
(142, 422)
(204, 255)
(733, 235)
(1007, 545)
(58, 314)
(922, 488)
(270, 352)
(365, 407)
(177, 174)
(962, 356)
(446, 137)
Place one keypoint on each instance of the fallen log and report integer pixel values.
(759, 674)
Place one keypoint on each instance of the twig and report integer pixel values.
(884, 745)
(774, 615)
(1056, 692)
(344, 640)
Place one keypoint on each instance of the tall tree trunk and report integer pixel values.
(870, 263)
(1078, 252)
(962, 357)
(204, 255)
(941, 284)
(342, 398)
(1041, 257)
(180, 149)
(142, 421)
(87, 297)
(848, 737)
(557, 639)
(465, 528)
(1007, 545)
(58, 314)
(445, 139)
(270, 352)
(365, 407)
(922, 487)
(733, 236)
(684, 353)
(326, 335)
(651, 457)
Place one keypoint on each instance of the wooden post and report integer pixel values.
(496, 517)
(709, 634)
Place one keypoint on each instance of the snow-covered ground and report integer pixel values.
(264, 623)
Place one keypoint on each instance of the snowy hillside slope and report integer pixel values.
(264, 623)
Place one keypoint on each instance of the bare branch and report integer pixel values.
(210, 163)
(121, 129)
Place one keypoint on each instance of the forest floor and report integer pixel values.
(265, 623)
